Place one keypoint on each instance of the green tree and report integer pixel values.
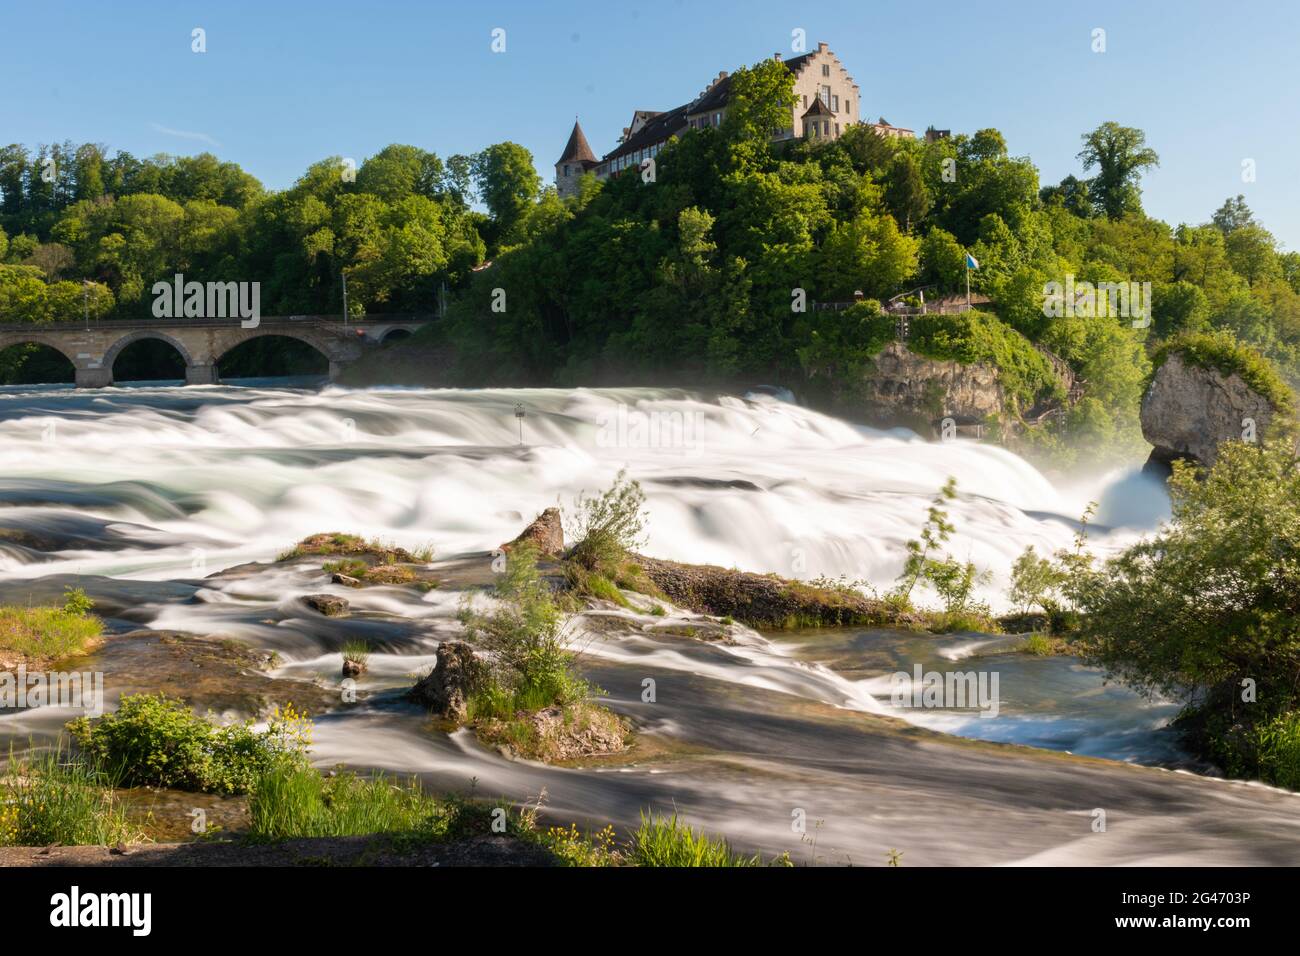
(1120, 156)
(508, 185)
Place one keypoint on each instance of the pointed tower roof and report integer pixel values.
(818, 108)
(578, 149)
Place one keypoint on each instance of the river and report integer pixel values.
(147, 495)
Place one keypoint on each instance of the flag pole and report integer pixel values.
(967, 282)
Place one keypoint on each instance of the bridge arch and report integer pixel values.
(316, 347)
(114, 350)
(51, 365)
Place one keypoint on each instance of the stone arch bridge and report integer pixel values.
(92, 349)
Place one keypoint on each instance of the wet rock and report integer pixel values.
(346, 580)
(546, 532)
(1188, 411)
(765, 600)
(353, 668)
(327, 604)
(445, 690)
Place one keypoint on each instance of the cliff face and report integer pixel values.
(904, 385)
(1189, 411)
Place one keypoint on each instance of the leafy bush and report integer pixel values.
(1034, 582)
(527, 640)
(155, 740)
(1207, 607)
(607, 527)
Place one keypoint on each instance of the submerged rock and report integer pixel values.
(1188, 411)
(446, 689)
(327, 604)
(546, 532)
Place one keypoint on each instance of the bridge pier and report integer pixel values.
(94, 377)
(201, 375)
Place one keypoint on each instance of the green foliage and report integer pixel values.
(1119, 154)
(526, 637)
(49, 799)
(1277, 744)
(292, 801)
(75, 601)
(50, 633)
(1208, 603)
(155, 740)
(1025, 373)
(665, 841)
(1034, 582)
(605, 528)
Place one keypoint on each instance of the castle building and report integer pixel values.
(827, 100)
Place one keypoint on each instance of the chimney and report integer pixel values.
(777, 57)
(822, 47)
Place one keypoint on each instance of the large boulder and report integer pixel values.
(1188, 411)
(445, 690)
(546, 532)
(902, 385)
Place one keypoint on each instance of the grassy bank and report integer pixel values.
(48, 634)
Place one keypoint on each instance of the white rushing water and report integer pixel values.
(186, 481)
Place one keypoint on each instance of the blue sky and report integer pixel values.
(286, 83)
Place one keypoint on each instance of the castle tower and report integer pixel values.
(577, 159)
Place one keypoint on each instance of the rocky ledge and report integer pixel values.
(1188, 411)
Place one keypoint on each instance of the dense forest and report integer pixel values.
(687, 273)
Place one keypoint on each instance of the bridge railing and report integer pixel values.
(387, 318)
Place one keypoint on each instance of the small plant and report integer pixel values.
(351, 567)
(356, 651)
(608, 526)
(76, 602)
(155, 740)
(1034, 582)
(528, 640)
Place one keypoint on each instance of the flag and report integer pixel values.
(971, 262)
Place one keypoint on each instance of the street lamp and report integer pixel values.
(344, 273)
(519, 414)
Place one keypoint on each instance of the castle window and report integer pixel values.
(835, 102)
(826, 69)
(848, 106)
(566, 169)
(805, 101)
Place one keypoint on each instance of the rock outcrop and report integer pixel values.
(1188, 411)
(546, 532)
(904, 385)
(446, 689)
(327, 604)
(763, 600)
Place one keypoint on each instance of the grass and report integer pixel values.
(50, 633)
(291, 802)
(667, 842)
(1278, 746)
(1043, 645)
(47, 799)
(356, 651)
(352, 567)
